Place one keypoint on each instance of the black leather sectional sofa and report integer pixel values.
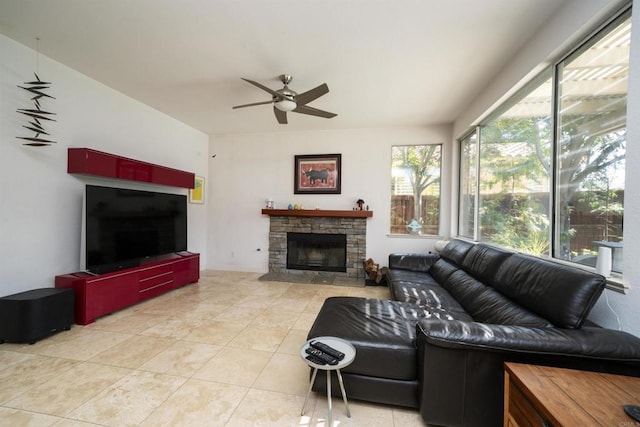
(454, 319)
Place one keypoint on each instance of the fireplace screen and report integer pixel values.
(320, 252)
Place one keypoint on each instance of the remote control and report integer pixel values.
(633, 411)
(326, 358)
(315, 359)
(326, 349)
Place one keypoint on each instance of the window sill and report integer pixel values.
(416, 236)
(616, 283)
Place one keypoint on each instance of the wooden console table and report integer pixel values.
(544, 396)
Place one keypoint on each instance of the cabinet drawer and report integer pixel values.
(152, 271)
(155, 277)
(108, 293)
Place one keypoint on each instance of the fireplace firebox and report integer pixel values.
(317, 252)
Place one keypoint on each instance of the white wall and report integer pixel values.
(573, 22)
(40, 204)
(249, 168)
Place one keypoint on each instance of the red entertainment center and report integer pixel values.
(97, 295)
(100, 294)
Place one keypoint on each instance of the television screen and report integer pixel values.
(124, 227)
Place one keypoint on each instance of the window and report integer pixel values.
(505, 166)
(514, 171)
(468, 185)
(544, 174)
(415, 189)
(592, 108)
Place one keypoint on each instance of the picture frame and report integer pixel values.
(196, 194)
(318, 174)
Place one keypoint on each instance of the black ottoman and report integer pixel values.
(383, 332)
(35, 314)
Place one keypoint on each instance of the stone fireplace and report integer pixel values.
(319, 227)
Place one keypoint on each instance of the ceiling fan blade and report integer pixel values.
(263, 87)
(252, 104)
(281, 116)
(304, 109)
(310, 95)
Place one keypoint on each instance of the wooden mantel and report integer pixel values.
(318, 213)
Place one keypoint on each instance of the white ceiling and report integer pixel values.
(387, 62)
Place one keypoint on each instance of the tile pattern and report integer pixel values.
(222, 352)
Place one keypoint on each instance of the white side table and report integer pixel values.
(349, 354)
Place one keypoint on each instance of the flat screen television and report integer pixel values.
(125, 227)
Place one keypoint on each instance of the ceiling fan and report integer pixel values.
(285, 99)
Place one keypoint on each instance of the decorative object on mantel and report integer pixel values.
(360, 204)
(270, 203)
(318, 174)
(36, 88)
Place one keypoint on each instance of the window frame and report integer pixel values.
(614, 282)
(475, 131)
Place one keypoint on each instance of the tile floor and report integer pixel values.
(222, 352)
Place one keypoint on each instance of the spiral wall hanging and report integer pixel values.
(37, 115)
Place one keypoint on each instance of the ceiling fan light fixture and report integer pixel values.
(286, 100)
(285, 105)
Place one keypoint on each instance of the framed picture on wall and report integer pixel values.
(318, 174)
(196, 194)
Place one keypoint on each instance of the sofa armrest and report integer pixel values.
(461, 364)
(412, 262)
(588, 342)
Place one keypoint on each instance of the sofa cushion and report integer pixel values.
(483, 303)
(442, 270)
(412, 262)
(383, 333)
(562, 294)
(483, 261)
(456, 250)
(422, 289)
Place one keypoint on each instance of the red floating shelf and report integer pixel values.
(97, 163)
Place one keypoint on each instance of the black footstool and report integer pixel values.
(32, 315)
(385, 368)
